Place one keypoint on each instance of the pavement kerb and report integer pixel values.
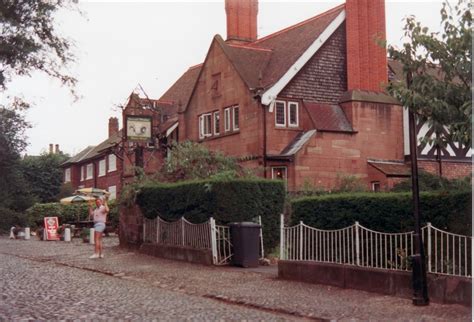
(219, 298)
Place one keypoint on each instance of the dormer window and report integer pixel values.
(286, 114)
(293, 114)
(280, 113)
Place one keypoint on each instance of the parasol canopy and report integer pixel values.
(96, 192)
(76, 199)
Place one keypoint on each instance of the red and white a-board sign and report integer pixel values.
(51, 225)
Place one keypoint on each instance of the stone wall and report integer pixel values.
(441, 288)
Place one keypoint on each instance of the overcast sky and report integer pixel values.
(120, 44)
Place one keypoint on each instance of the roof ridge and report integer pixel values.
(299, 24)
(249, 47)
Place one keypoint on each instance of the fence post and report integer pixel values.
(157, 229)
(429, 245)
(213, 240)
(357, 243)
(182, 230)
(301, 241)
(282, 237)
(261, 236)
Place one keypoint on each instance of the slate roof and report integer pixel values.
(391, 168)
(93, 151)
(327, 117)
(179, 93)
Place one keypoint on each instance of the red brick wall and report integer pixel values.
(323, 78)
(366, 60)
(329, 155)
(231, 91)
(450, 169)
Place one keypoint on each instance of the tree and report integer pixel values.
(441, 68)
(44, 175)
(29, 41)
(189, 160)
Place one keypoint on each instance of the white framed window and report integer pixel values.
(280, 113)
(217, 123)
(102, 168)
(113, 192)
(279, 173)
(293, 114)
(83, 170)
(235, 118)
(67, 175)
(112, 162)
(89, 173)
(205, 129)
(227, 119)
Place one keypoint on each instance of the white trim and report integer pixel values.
(235, 128)
(91, 167)
(171, 129)
(218, 128)
(67, 175)
(280, 167)
(273, 91)
(284, 114)
(227, 119)
(297, 114)
(102, 166)
(109, 158)
(202, 125)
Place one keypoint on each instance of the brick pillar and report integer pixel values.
(366, 58)
(113, 126)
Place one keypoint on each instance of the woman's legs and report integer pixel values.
(97, 241)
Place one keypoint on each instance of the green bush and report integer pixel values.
(433, 182)
(10, 218)
(387, 212)
(225, 200)
(65, 213)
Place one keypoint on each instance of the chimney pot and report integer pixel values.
(56, 149)
(51, 148)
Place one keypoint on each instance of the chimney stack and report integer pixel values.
(51, 151)
(241, 20)
(113, 126)
(366, 57)
(56, 150)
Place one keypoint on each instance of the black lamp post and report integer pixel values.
(420, 289)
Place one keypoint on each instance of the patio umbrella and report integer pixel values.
(92, 191)
(76, 199)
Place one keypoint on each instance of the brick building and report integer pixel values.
(306, 104)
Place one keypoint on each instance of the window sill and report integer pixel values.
(111, 171)
(214, 137)
(288, 128)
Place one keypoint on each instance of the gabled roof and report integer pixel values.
(179, 93)
(80, 156)
(288, 153)
(327, 117)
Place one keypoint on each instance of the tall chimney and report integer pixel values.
(366, 57)
(56, 149)
(241, 20)
(51, 148)
(113, 126)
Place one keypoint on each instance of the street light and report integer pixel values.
(420, 289)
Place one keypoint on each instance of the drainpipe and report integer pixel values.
(264, 111)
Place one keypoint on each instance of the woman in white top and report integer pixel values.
(99, 215)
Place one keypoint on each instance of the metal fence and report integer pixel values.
(446, 253)
(205, 235)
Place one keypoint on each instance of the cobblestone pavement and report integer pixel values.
(252, 295)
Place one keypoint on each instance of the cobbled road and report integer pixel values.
(42, 290)
(57, 281)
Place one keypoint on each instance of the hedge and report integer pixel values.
(227, 201)
(386, 212)
(10, 218)
(65, 213)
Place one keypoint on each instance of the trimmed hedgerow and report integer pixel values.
(225, 200)
(387, 212)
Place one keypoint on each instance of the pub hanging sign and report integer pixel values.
(138, 128)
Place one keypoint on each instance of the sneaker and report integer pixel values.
(101, 255)
(94, 256)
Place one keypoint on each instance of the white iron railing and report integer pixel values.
(446, 253)
(206, 235)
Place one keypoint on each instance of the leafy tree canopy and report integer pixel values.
(30, 42)
(441, 69)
